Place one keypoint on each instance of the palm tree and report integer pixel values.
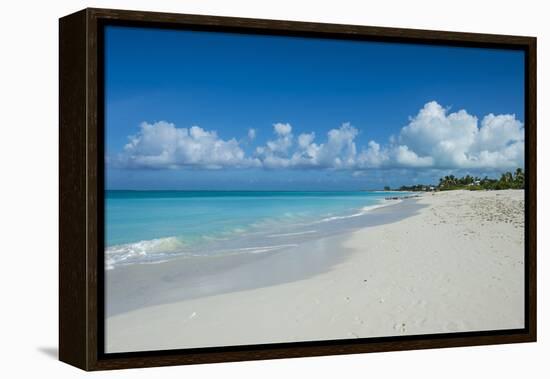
(507, 177)
(519, 178)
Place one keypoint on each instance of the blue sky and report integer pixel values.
(199, 110)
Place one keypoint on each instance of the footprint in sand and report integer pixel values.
(400, 327)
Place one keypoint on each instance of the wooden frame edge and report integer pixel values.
(79, 154)
(72, 192)
(531, 203)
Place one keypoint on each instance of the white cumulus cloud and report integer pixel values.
(162, 145)
(454, 140)
(434, 138)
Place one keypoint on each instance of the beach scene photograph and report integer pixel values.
(264, 189)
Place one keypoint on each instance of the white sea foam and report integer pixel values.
(150, 251)
(257, 249)
(362, 212)
(383, 203)
(292, 234)
(162, 249)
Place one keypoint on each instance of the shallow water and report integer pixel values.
(154, 226)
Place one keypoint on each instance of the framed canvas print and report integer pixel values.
(236, 189)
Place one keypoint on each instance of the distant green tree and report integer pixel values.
(507, 177)
(519, 178)
(507, 180)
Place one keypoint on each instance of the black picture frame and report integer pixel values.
(81, 184)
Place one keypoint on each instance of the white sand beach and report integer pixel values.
(454, 264)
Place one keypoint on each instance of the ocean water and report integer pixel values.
(155, 226)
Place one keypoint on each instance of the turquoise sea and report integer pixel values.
(154, 226)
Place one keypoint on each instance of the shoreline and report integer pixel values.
(430, 272)
(181, 278)
(199, 225)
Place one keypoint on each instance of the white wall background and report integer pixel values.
(28, 190)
